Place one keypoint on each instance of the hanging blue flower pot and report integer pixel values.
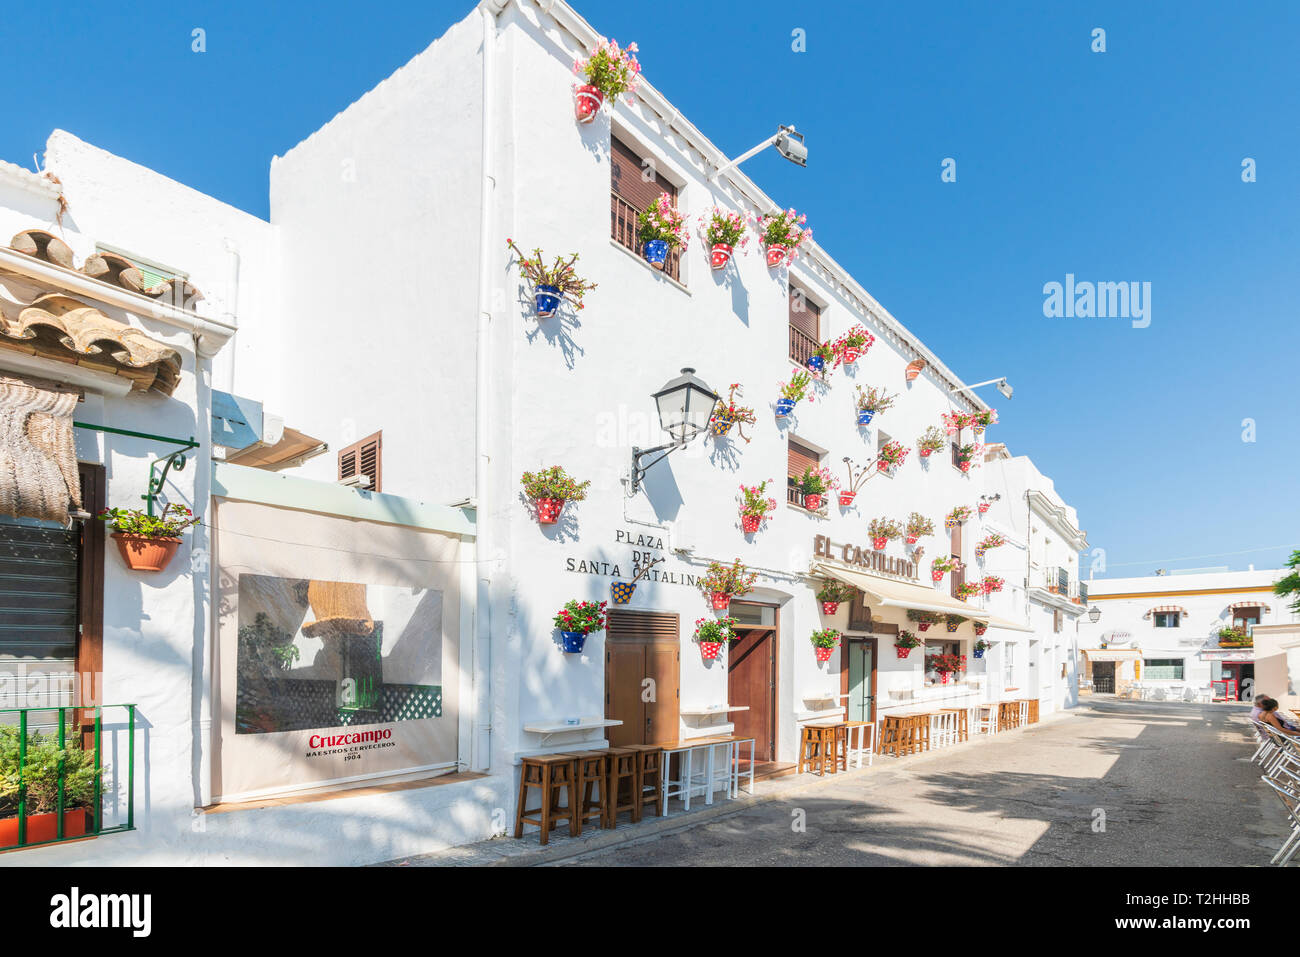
(816, 363)
(547, 299)
(784, 407)
(573, 641)
(655, 252)
(978, 652)
(864, 416)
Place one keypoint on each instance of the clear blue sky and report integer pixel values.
(1123, 165)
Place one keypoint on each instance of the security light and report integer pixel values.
(1004, 388)
(788, 143)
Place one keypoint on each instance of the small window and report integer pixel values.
(364, 458)
(957, 577)
(799, 458)
(936, 647)
(1167, 619)
(1058, 620)
(1166, 669)
(1008, 665)
(1243, 618)
(805, 326)
(635, 184)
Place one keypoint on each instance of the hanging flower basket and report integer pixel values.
(749, 524)
(926, 453)
(823, 654)
(952, 626)
(775, 255)
(879, 543)
(981, 627)
(851, 354)
(722, 422)
(846, 498)
(824, 643)
(924, 625)
(755, 504)
(547, 300)
(817, 364)
(145, 554)
(655, 252)
(784, 407)
(622, 592)
(964, 466)
(712, 633)
(548, 510)
(830, 607)
(914, 369)
(911, 539)
(587, 102)
(709, 650)
(865, 416)
(573, 641)
(720, 255)
(721, 601)
(812, 502)
(936, 575)
(979, 551)
(978, 653)
(985, 506)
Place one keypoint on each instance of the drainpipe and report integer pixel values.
(482, 738)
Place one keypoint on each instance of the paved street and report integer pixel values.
(1173, 780)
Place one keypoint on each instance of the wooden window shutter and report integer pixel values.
(859, 613)
(627, 181)
(799, 458)
(641, 626)
(805, 315)
(364, 458)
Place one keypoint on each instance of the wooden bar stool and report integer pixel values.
(861, 738)
(550, 774)
(592, 773)
(649, 778)
(963, 722)
(840, 756)
(624, 795)
(817, 746)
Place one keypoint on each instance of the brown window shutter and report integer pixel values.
(641, 626)
(805, 315)
(799, 458)
(626, 179)
(859, 613)
(364, 458)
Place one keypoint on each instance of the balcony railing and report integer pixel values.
(802, 346)
(622, 229)
(52, 775)
(1058, 581)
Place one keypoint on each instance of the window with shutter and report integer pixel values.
(364, 458)
(805, 326)
(957, 576)
(634, 184)
(799, 458)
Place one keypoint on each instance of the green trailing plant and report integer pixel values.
(133, 521)
(835, 591)
(931, 440)
(40, 772)
(555, 483)
(561, 273)
(918, 525)
(825, 638)
(906, 639)
(715, 629)
(884, 528)
(581, 616)
(924, 617)
(954, 619)
(734, 579)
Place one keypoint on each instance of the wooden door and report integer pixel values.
(751, 683)
(624, 670)
(642, 665)
(661, 724)
(858, 678)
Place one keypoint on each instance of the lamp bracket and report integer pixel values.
(639, 470)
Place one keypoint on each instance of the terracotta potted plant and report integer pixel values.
(931, 441)
(905, 642)
(712, 634)
(662, 231)
(40, 777)
(857, 478)
(781, 235)
(576, 620)
(722, 231)
(729, 414)
(755, 506)
(725, 582)
(883, 531)
(549, 489)
(923, 619)
(852, 346)
(891, 455)
(824, 642)
(917, 526)
(814, 484)
(871, 400)
(148, 542)
(608, 72)
(914, 369)
(792, 392)
(551, 284)
(941, 566)
(832, 593)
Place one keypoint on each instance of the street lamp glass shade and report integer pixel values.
(685, 405)
(1094, 613)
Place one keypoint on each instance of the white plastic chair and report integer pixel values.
(1024, 714)
(987, 720)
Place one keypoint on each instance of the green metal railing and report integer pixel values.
(18, 773)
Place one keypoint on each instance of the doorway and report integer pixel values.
(1103, 677)
(642, 666)
(752, 676)
(1243, 673)
(859, 678)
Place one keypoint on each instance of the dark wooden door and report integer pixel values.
(642, 665)
(751, 683)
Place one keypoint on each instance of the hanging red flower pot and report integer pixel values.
(879, 543)
(749, 524)
(902, 652)
(775, 254)
(548, 510)
(812, 502)
(852, 354)
(965, 466)
(830, 607)
(985, 506)
(911, 539)
(720, 255)
(587, 102)
(980, 627)
(709, 649)
(846, 498)
(721, 601)
(923, 625)
(936, 575)
(925, 453)
(823, 654)
(943, 677)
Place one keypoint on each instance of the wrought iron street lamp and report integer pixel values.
(685, 406)
(1094, 613)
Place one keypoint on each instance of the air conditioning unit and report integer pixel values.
(360, 480)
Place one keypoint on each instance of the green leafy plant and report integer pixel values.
(924, 617)
(1289, 586)
(662, 220)
(40, 773)
(871, 399)
(832, 590)
(959, 514)
(581, 616)
(560, 273)
(932, 439)
(884, 528)
(982, 645)
(734, 579)
(554, 483)
(730, 412)
(826, 638)
(953, 619)
(1234, 638)
(609, 69)
(817, 481)
(134, 521)
(918, 525)
(906, 639)
(797, 387)
(715, 629)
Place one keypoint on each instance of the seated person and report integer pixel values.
(1271, 717)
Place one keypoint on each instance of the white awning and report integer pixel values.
(1112, 654)
(896, 594)
(1165, 608)
(1262, 606)
(1227, 654)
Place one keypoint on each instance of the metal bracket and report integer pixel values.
(174, 460)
